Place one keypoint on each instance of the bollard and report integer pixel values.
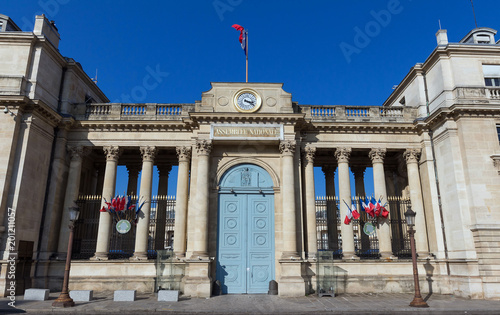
(273, 288)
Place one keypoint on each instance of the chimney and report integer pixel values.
(442, 38)
(46, 28)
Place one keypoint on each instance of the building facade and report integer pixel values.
(245, 209)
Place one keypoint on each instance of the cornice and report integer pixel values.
(368, 127)
(132, 126)
(205, 118)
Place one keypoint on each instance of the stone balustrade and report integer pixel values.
(359, 113)
(123, 111)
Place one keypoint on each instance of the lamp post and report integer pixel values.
(410, 221)
(64, 300)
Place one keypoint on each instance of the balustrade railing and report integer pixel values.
(112, 111)
(362, 113)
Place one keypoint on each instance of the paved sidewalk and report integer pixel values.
(261, 304)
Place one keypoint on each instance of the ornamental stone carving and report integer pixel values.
(377, 155)
(309, 153)
(412, 155)
(183, 153)
(343, 155)
(203, 147)
(148, 153)
(287, 147)
(112, 152)
(77, 152)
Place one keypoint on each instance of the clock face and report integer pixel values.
(247, 101)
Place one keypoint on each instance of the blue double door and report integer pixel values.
(245, 253)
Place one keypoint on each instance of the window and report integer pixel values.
(491, 75)
(498, 132)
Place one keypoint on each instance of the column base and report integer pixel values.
(291, 282)
(199, 256)
(197, 281)
(139, 256)
(290, 256)
(350, 256)
(100, 256)
(180, 255)
(388, 256)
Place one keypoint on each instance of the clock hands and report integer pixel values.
(248, 101)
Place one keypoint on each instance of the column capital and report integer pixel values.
(112, 152)
(412, 155)
(309, 154)
(343, 155)
(377, 155)
(133, 169)
(287, 147)
(148, 153)
(358, 171)
(78, 151)
(184, 153)
(203, 147)
(164, 169)
(328, 169)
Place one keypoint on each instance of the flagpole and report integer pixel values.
(246, 56)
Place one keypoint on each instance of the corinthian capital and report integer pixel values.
(203, 147)
(412, 155)
(148, 153)
(287, 147)
(343, 155)
(377, 155)
(112, 152)
(184, 153)
(309, 153)
(78, 151)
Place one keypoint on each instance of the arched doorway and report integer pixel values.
(245, 241)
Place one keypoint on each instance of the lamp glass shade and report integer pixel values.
(410, 216)
(74, 213)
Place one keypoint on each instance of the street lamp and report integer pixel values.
(64, 300)
(410, 222)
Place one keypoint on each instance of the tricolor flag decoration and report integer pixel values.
(352, 213)
(121, 207)
(243, 37)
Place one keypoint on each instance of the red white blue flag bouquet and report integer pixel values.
(122, 208)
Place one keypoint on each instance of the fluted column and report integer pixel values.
(287, 149)
(201, 205)
(72, 190)
(384, 232)
(161, 206)
(108, 191)
(343, 155)
(133, 176)
(312, 243)
(181, 202)
(145, 194)
(331, 207)
(412, 157)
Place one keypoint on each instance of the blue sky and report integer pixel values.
(299, 43)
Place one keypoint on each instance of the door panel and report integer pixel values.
(245, 259)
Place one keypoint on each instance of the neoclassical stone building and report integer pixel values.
(245, 209)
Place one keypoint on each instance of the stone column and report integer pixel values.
(359, 180)
(161, 206)
(181, 202)
(331, 207)
(412, 157)
(133, 176)
(384, 232)
(72, 190)
(287, 149)
(203, 148)
(108, 191)
(343, 155)
(145, 194)
(312, 242)
(100, 178)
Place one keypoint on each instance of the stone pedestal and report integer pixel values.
(197, 282)
(291, 282)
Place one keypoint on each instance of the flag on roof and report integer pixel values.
(243, 37)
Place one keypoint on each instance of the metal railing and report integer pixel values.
(121, 246)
